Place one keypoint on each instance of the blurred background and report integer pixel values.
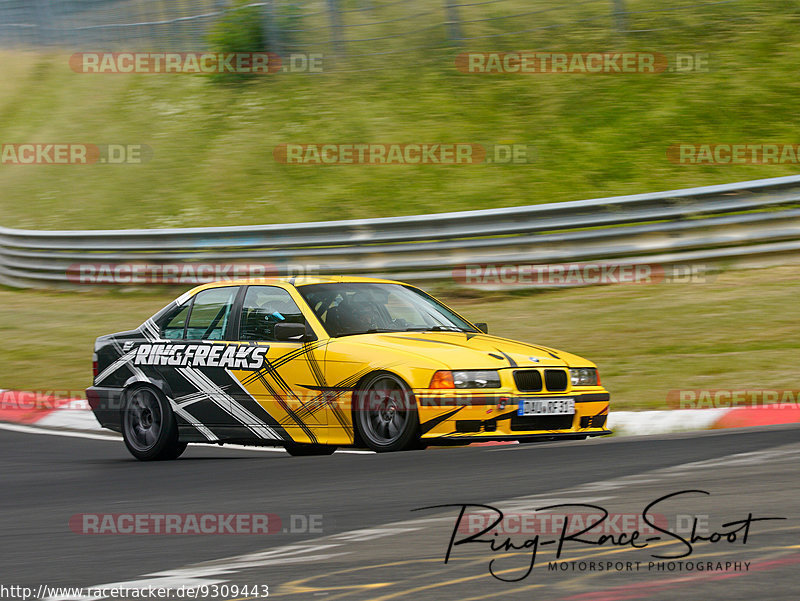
(389, 75)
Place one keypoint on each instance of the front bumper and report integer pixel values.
(462, 440)
(471, 417)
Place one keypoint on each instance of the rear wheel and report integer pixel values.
(296, 449)
(149, 427)
(385, 414)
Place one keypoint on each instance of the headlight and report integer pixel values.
(584, 376)
(476, 379)
(484, 378)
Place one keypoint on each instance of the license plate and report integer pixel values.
(546, 407)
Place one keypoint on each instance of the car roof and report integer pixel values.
(294, 281)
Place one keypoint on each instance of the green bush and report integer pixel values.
(239, 30)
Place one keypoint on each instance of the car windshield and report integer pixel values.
(363, 308)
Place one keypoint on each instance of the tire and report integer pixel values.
(177, 452)
(385, 414)
(149, 427)
(296, 449)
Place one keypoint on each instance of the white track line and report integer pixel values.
(35, 430)
(117, 438)
(241, 447)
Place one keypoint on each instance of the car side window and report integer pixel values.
(263, 307)
(176, 322)
(210, 312)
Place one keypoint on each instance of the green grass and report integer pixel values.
(739, 331)
(213, 144)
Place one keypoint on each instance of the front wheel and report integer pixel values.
(385, 414)
(149, 427)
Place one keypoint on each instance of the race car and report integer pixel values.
(316, 363)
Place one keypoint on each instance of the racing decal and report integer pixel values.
(284, 359)
(229, 356)
(326, 388)
(274, 384)
(330, 396)
(137, 373)
(204, 389)
(225, 401)
(181, 412)
(319, 377)
(511, 362)
(150, 330)
(124, 360)
(280, 397)
(428, 340)
(432, 423)
(316, 370)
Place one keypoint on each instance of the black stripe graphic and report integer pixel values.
(432, 423)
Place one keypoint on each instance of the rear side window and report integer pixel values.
(263, 307)
(211, 309)
(176, 322)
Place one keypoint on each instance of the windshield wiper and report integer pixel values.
(436, 329)
(420, 329)
(370, 331)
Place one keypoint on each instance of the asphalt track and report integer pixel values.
(374, 546)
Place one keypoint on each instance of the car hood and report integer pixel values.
(468, 350)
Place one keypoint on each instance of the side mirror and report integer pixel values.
(483, 327)
(292, 332)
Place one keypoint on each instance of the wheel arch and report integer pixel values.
(158, 384)
(371, 374)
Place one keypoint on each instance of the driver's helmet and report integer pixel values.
(359, 313)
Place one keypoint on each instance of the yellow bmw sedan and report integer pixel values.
(312, 364)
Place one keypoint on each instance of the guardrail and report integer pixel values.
(712, 223)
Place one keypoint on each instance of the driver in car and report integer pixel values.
(359, 313)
